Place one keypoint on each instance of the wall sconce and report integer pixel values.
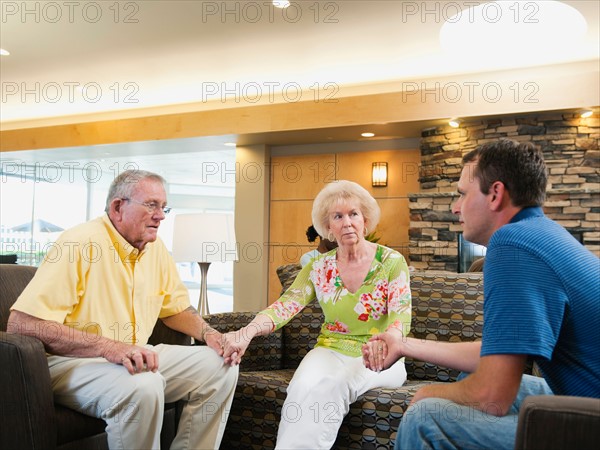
(454, 123)
(585, 113)
(379, 175)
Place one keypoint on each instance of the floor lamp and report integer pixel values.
(204, 238)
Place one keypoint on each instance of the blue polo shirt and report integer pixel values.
(542, 298)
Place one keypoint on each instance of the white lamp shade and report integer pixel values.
(204, 238)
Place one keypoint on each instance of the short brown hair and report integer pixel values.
(519, 166)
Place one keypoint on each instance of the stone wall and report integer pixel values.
(570, 146)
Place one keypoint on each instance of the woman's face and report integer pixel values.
(346, 222)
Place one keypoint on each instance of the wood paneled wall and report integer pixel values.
(297, 179)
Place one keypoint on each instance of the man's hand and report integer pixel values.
(134, 358)
(214, 340)
(383, 350)
(235, 345)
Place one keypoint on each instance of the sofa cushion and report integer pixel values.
(300, 334)
(446, 307)
(257, 407)
(373, 419)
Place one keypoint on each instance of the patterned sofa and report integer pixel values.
(446, 307)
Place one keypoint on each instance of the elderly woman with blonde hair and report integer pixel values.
(364, 290)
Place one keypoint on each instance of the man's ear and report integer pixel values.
(115, 208)
(497, 195)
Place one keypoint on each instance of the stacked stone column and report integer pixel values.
(570, 146)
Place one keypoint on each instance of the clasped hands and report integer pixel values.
(226, 345)
(382, 350)
(233, 346)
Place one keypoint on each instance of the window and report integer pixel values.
(36, 208)
(38, 200)
(468, 252)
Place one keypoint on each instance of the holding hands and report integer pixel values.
(235, 344)
(226, 345)
(383, 350)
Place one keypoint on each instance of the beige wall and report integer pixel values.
(297, 179)
(251, 225)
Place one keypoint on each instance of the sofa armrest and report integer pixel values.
(263, 353)
(555, 421)
(26, 405)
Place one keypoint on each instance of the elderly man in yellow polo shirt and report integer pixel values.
(94, 302)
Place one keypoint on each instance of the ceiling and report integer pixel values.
(133, 55)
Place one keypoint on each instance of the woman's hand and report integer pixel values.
(374, 353)
(235, 345)
(383, 350)
(225, 345)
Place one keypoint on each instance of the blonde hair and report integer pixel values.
(343, 190)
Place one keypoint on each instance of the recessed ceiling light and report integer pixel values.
(4, 52)
(281, 3)
(367, 134)
(230, 144)
(586, 113)
(454, 123)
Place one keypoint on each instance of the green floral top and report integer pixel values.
(382, 301)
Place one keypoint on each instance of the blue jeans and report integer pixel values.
(435, 423)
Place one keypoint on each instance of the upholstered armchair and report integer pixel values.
(558, 422)
(30, 419)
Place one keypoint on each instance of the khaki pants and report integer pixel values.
(133, 405)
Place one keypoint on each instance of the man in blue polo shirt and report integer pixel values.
(541, 296)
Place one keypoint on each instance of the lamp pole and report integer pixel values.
(203, 300)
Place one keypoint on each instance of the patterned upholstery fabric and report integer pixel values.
(287, 275)
(300, 334)
(446, 307)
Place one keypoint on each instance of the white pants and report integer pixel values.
(320, 394)
(133, 405)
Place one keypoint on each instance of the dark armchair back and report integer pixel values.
(13, 279)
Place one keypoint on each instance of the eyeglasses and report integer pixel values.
(151, 207)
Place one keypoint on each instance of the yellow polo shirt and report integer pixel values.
(92, 279)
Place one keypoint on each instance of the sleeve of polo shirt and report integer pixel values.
(177, 298)
(58, 283)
